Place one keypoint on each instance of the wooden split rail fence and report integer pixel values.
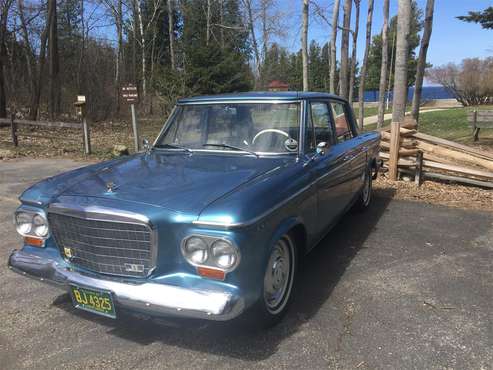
(426, 156)
(16, 132)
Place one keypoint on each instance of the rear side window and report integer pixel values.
(341, 122)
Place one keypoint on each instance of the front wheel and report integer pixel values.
(278, 283)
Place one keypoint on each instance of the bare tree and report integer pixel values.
(33, 114)
(362, 80)
(400, 75)
(420, 71)
(171, 33)
(352, 68)
(4, 7)
(28, 50)
(333, 47)
(54, 63)
(251, 28)
(344, 70)
(304, 45)
(471, 82)
(383, 69)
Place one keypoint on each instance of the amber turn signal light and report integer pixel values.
(33, 241)
(211, 273)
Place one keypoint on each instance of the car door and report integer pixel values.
(354, 145)
(330, 170)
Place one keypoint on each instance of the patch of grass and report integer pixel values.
(452, 124)
(370, 111)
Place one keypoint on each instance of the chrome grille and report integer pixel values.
(109, 247)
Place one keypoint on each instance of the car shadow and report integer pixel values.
(321, 271)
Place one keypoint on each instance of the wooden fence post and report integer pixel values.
(475, 130)
(13, 129)
(135, 128)
(395, 128)
(419, 169)
(87, 135)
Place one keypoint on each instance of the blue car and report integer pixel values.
(211, 220)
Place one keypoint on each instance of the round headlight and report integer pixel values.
(40, 226)
(195, 250)
(23, 222)
(224, 254)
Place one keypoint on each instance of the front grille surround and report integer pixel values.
(105, 242)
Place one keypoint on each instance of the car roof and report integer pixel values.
(259, 95)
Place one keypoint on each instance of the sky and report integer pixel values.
(451, 41)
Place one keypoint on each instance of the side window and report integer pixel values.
(341, 122)
(320, 129)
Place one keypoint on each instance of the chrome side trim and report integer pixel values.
(146, 297)
(98, 213)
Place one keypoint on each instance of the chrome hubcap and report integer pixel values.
(278, 276)
(367, 189)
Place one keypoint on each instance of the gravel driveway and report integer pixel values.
(405, 285)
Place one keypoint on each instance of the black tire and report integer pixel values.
(280, 272)
(365, 195)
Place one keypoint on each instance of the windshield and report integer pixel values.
(249, 127)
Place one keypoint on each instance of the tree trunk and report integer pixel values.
(80, 79)
(3, 56)
(352, 69)
(362, 80)
(33, 114)
(256, 52)
(333, 47)
(420, 71)
(304, 45)
(208, 23)
(119, 53)
(54, 84)
(383, 68)
(400, 75)
(343, 73)
(28, 51)
(143, 49)
(171, 33)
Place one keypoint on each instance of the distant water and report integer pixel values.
(429, 93)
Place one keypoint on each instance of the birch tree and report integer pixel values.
(383, 68)
(400, 75)
(420, 71)
(361, 90)
(304, 45)
(344, 70)
(352, 69)
(333, 47)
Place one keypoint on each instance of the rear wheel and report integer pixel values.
(365, 195)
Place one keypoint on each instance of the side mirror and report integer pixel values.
(322, 148)
(146, 145)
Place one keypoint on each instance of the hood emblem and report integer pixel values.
(110, 187)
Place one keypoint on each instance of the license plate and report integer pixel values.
(96, 301)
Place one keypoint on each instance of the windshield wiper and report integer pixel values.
(174, 146)
(223, 145)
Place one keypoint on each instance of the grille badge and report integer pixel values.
(132, 267)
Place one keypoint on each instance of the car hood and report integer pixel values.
(179, 182)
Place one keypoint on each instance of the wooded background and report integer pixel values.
(53, 50)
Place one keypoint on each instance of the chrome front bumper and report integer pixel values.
(147, 297)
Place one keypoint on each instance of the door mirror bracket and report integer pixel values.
(322, 148)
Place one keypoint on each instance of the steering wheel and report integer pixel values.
(274, 130)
